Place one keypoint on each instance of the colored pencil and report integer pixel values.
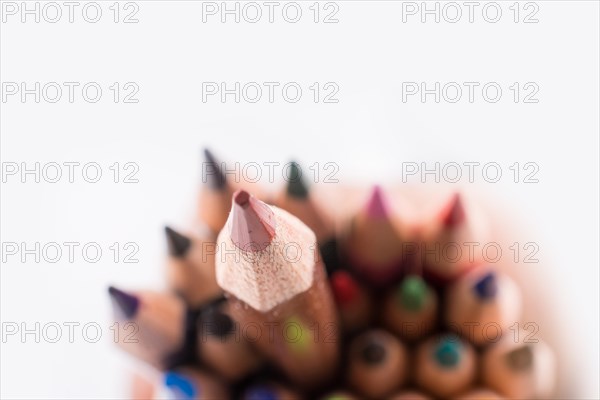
(378, 364)
(409, 395)
(410, 309)
(373, 242)
(151, 325)
(353, 301)
(482, 305)
(191, 267)
(339, 395)
(215, 193)
(298, 201)
(141, 388)
(270, 287)
(480, 394)
(519, 368)
(194, 384)
(270, 391)
(446, 247)
(275, 302)
(221, 345)
(445, 366)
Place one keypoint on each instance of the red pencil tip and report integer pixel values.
(345, 288)
(253, 222)
(376, 207)
(455, 213)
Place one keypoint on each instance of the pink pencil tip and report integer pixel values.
(455, 213)
(376, 207)
(253, 222)
(242, 198)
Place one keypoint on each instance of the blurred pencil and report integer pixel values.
(409, 395)
(191, 268)
(215, 194)
(152, 326)
(445, 366)
(482, 305)
(479, 394)
(374, 242)
(222, 346)
(339, 395)
(272, 288)
(270, 391)
(298, 201)
(517, 369)
(352, 300)
(447, 249)
(193, 384)
(378, 364)
(410, 309)
(141, 388)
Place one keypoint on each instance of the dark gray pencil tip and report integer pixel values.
(212, 174)
(178, 243)
(296, 186)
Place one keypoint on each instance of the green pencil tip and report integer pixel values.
(412, 293)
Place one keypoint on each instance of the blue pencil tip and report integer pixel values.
(260, 393)
(486, 287)
(181, 386)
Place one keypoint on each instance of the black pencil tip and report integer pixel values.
(178, 243)
(296, 186)
(127, 304)
(373, 352)
(212, 172)
(217, 323)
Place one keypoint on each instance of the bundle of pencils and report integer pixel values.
(279, 300)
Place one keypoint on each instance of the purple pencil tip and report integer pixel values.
(127, 303)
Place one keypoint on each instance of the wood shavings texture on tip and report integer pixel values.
(274, 275)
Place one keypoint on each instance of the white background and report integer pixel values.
(368, 134)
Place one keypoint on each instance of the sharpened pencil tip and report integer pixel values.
(260, 392)
(447, 352)
(242, 198)
(373, 352)
(127, 303)
(212, 172)
(376, 207)
(412, 293)
(180, 385)
(178, 244)
(520, 359)
(486, 287)
(455, 215)
(345, 289)
(252, 222)
(296, 186)
(217, 323)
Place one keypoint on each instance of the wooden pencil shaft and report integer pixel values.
(286, 300)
